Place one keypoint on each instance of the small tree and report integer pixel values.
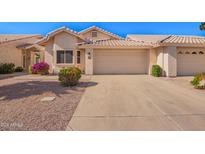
(202, 26)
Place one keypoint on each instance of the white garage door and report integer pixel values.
(190, 62)
(120, 62)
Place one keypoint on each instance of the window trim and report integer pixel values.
(78, 51)
(64, 57)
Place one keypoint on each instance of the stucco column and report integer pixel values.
(88, 61)
(32, 57)
(152, 59)
(170, 61)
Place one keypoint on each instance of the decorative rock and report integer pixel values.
(2, 98)
(47, 99)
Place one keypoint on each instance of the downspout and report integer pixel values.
(163, 72)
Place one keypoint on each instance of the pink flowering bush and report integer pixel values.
(40, 68)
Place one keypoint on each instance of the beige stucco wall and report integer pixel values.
(159, 53)
(172, 61)
(100, 35)
(82, 60)
(10, 54)
(89, 61)
(167, 60)
(152, 59)
(62, 41)
(48, 54)
(160, 57)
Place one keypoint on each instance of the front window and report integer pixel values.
(64, 56)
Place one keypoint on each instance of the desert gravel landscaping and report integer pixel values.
(21, 107)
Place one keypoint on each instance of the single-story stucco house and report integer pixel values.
(20, 49)
(96, 51)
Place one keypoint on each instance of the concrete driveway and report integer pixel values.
(139, 102)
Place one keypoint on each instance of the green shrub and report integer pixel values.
(156, 70)
(6, 68)
(19, 69)
(199, 81)
(69, 76)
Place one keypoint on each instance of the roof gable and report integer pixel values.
(94, 28)
(57, 31)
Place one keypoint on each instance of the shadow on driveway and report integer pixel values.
(12, 75)
(30, 88)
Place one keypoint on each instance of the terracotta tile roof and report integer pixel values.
(116, 43)
(25, 45)
(30, 46)
(147, 38)
(169, 39)
(5, 38)
(59, 30)
(101, 30)
(63, 28)
(174, 39)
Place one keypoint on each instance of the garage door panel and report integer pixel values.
(189, 64)
(120, 62)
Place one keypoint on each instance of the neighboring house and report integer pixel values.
(96, 51)
(20, 49)
(177, 55)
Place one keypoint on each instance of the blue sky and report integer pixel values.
(119, 28)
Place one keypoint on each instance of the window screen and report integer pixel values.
(68, 56)
(60, 56)
(94, 34)
(64, 56)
